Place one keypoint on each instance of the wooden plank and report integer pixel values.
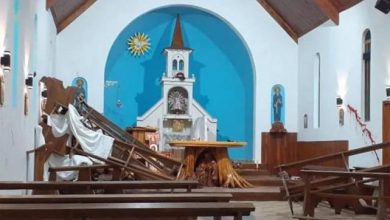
(329, 10)
(122, 210)
(347, 174)
(50, 3)
(202, 144)
(118, 198)
(12, 185)
(319, 159)
(75, 14)
(69, 168)
(278, 18)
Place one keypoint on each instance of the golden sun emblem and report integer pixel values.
(139, 44)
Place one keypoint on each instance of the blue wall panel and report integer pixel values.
(220, 63)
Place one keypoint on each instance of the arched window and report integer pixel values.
(174, 65)
(366, 73)
(181, 65)
(316, 90)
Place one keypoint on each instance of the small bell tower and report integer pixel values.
(177, 55)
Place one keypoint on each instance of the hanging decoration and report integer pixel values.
(365, 131)
(139, 44)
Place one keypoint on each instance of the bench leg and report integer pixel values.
(238, 217)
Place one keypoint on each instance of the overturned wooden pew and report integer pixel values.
(128, 154)
(383, 197)
(349, 186)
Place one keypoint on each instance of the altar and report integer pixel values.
(209, 163)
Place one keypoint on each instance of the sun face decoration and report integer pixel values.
(139, 44)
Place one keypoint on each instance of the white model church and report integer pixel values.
(177, 115)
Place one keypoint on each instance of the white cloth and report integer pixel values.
(39, 138)
(63, 161)
(93, 142)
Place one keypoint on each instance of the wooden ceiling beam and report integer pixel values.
(50, 3)
(75, 14)
(329, 10)
(281, 21)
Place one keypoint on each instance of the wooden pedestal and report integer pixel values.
(226, 175)
(386, 130)
(278, 148)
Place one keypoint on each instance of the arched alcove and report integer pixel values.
(220, 63)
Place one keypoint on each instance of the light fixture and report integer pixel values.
(5, 61)
(388, 91)
(30, 80)
(339, 101)
(44, 93)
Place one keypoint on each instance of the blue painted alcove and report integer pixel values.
(220, 62)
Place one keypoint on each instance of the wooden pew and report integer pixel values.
(124, 210)
(295, 192)
(85, 172)
(383, 178)
(96, 185)
(118, 198)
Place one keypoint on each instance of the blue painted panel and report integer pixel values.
(220, 63)
(278, 104)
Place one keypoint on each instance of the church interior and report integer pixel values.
(195, 109)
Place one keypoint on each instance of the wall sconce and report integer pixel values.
(339, 101)
(44, 93)
(5, 61)
(29, 81)
(388, 91)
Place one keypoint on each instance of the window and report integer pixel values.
(366, 59)
(181, 65)
(174, 65)
(316, 90)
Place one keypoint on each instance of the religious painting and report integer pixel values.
(277, 104)
(2, 89)
(25, 103)
(178, 125)
(81, 90)
(341, 117)
(177, 101)
(305, 121)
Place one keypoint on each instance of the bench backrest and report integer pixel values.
(121, 210)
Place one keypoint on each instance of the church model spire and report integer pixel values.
(177, 40)
(177, 55)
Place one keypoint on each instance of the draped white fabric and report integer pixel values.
(93, 142)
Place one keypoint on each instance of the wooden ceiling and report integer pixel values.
(297, 17)
(66, 11)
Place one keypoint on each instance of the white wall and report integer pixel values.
(340, 48)
(17, 130)
(83, 47)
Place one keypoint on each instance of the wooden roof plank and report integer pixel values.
(75, 14)
(50, 3)
(328, 9)
(282, 22)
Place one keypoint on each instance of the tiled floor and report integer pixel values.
(279, 210)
